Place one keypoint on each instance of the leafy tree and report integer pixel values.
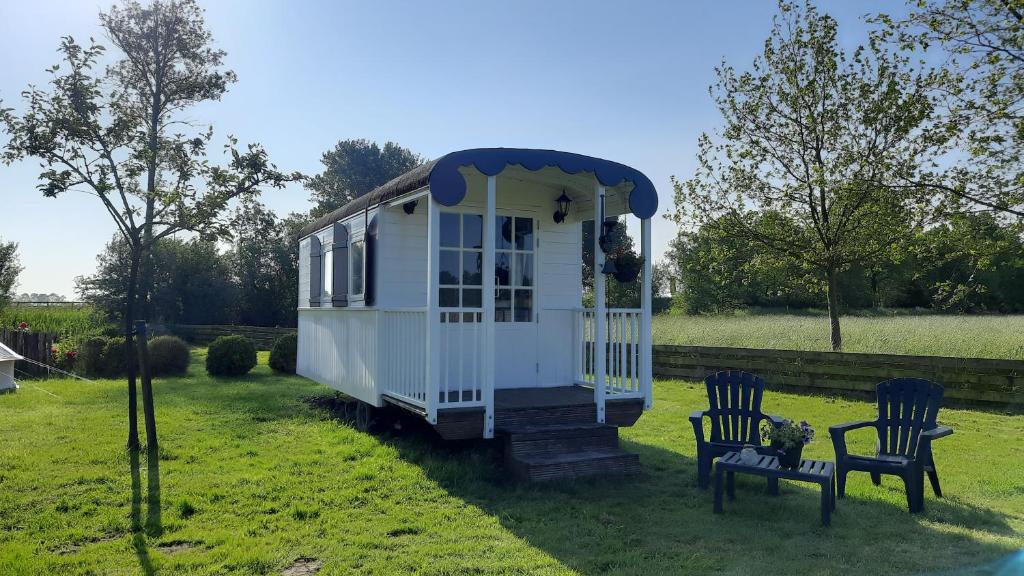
(192, 282)
(9, 270)
(355, 167)
(719, 271)
(971, 263)
(825, 139)
(264, 268)
(981, 92)
(121, 134)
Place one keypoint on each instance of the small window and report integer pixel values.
(327, 273)
(357, 274)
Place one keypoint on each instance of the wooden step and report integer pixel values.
(513, 418)
(578, 464)
(559, 439)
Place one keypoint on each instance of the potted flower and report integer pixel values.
(627, 266)
(788, 440)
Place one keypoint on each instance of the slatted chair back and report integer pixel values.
(906, 407)
(735, 400)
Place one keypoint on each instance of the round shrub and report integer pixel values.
(168, 355)
(114, 359)
(282, 355)
(90, 355)
(230, 356)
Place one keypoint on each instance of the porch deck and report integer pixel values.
(520, 408)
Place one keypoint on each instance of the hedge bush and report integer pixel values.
(90, 355)
(114, 360)
(230, 356)
(168, 356)
(282, 355)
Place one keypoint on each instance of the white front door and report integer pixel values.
(515, 301)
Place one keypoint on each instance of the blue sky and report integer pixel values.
(626, 81)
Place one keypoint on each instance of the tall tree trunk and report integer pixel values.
(153, 146)
(147, 390)
(833, 309)
(129, 326)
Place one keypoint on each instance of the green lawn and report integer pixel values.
(923, 334)
(252, 478)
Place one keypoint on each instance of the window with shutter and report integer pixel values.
(339, 266)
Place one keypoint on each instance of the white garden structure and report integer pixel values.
(7, 359)
(396, 305)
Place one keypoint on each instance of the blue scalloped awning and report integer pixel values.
(448, 186)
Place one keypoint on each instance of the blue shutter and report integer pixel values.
(370, 262)
(339, 298)
(315, 281)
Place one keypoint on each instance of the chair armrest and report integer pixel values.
(936, 433)
(838, 434)
(697, 419)
(924, 446)
(775, 420)
(844, 428)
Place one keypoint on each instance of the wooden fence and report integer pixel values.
(263, 336)
(33, 346)
(967, 380)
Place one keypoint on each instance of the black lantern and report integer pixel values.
(605, 239)
(563, 208)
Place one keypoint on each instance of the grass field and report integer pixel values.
(252, 478)
(64, 320)
(923, 334)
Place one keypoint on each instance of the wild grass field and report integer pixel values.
(64, 320)
(988, 336)
(251, 478)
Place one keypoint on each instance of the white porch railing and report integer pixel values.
(403, 334)
(623, 346)
(462, 358)
(403, 367)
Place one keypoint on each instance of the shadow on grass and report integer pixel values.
(153, 526)
(655, 522)
(660, 522)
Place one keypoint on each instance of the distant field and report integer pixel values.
(64, 320)
(923, 334)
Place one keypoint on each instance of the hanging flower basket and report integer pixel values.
(627, 267)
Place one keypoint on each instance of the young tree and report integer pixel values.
(981, 93)
(120, 134)
(355, 167)
(823, 138)
(9, 270)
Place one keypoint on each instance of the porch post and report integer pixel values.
(433, 321)
(488, 300)
(600, 316)
(645, 355)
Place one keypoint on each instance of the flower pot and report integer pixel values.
(626, 276)
(789, 458)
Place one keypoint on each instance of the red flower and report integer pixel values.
(71, 354)
(53, 349)
(23, 326)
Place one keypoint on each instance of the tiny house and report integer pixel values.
(455, 292)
